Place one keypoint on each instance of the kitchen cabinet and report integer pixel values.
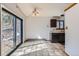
(53, 23)
(58, 37)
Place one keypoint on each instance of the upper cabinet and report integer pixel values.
(58, 24)
(53, 23)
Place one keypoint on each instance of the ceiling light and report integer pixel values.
(35, 12)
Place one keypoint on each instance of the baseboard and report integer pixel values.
(32, 39)
(66, 53)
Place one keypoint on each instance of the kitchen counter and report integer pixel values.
(58, 36)
(57, 31)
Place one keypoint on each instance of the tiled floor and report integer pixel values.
(40, 48)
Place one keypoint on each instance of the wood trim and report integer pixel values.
(70, 6)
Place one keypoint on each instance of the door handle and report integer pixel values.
(66, 28)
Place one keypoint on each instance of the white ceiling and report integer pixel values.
(45, 9)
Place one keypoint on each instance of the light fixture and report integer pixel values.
(35, 12)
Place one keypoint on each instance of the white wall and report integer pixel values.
(38, 26)
(12, 8)
(72, 34)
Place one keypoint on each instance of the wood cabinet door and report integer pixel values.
(53, 23)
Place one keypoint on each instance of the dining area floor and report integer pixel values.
(40, 48)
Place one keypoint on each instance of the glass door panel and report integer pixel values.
(7, 33)
(11, 32)
(18, 31)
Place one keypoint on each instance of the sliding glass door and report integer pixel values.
(11, 32)
(18, 31)
(7, 33)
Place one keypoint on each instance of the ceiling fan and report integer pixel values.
(35, 12)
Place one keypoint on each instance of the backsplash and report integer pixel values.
(54, 30)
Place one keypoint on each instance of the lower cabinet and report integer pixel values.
(58, 37)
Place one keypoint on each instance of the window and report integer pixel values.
(60, 24)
